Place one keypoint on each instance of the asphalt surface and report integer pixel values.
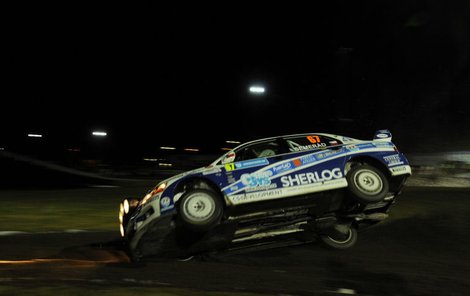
(422, 249)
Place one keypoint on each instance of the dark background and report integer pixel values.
(155, 75)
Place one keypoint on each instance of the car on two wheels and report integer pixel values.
(320, 185)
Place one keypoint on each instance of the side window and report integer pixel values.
(309, 142)
(256, 150)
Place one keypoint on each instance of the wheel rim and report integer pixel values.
(199, 207)
(345, 241)
(368, 182)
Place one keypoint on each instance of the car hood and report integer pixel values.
(179, 176)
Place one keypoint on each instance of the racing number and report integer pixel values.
(229, 166)
(313, 139)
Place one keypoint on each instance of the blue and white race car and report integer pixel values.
(321, 185)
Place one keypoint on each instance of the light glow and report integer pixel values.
(167, 148)
(149, 195)
(99, 133)
(121, 230)
(191, 149)
(34, 135)
(126, 206)
(257, 89)
(232, 142)
(150, 159)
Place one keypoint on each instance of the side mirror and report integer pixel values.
(229, 157)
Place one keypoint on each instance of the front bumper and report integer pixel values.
(155, 238)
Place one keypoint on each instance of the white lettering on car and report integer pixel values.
(308, 147)
(311, 177)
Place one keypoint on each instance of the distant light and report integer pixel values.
(73, 149)
(34, 135)
(167, 148)
(99, 133)
(1, 148)
(191, 149)
(233, 142)
(163, 164)
(150, 159)
(257, 89)
(226, 149)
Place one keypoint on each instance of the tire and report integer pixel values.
(341, 237)
(200, 210)
(367, 184)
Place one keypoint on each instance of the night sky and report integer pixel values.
(153, 75)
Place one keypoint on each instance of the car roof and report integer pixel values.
(338, 137)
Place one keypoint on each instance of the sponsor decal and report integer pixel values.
(366, 146)
(326, 154)
(382, 136)
(297, 162)
(257, 195)
(256, 179)
(282, 167)
(311, 177)
(393, 160)
(399, 169)
(308, 147)
(230, 178)
(287, 191)
(165, 203)
(233, 188)
(352, 147)
(246, 164)
(262, 187)
(310, 158)
(383, 144)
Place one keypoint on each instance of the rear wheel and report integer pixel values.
(340, 237)
(200, 209)
(367, 183)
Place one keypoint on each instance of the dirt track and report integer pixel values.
(421, 250)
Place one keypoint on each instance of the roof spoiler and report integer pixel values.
(383, 135)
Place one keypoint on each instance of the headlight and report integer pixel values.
(126, 206)
(121, 229)
(121, 209)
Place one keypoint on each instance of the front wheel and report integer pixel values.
(200, 210)
(367, 183)
(340, 237)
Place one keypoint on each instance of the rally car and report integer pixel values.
(315, 184)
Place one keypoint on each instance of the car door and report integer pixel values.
(315, 163)
(249, 176)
